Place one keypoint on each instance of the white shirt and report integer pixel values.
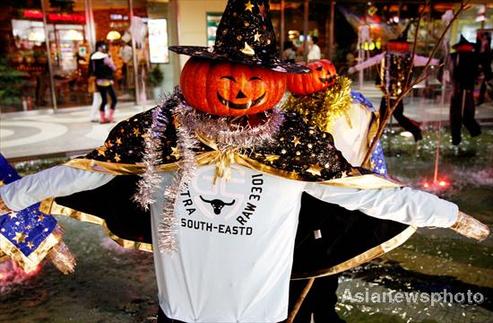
(314, 53)
(235, 266)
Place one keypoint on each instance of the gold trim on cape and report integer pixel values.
(29, 263)
(106, 167)
(367, 181)
(49, 206)
(360, 259)
(357, 181)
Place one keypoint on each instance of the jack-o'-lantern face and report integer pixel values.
(322, 75)
(230, 89)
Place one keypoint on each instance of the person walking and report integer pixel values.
(102, 67)
(483, 46)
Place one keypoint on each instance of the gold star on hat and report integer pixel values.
(247, 50)
(249, 6)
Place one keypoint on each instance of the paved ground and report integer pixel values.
(38, 133)
(25, 135)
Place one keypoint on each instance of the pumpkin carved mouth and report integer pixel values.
(326, 79)
(240, 106)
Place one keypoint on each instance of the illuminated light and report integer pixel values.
(11, 274)
(378, 44)
(113, 35)
(406, 134)
(372, 46)
(480, 18)
(73, 35)
(66, 17)
(36, 14)
(442, 183)
(372, 10)
(426, 185)
(36, 36)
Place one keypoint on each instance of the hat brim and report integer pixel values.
(461, 44)
(272, 64)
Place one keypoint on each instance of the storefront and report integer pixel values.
(45, 47)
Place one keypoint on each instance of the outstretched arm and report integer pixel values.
(403, 205)
(369, 62)
(52, 182)
(423, 60)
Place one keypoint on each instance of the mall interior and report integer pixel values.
(45, 45)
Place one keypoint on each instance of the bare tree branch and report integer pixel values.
(408, 87)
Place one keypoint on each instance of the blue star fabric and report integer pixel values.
(361, 99)
(377, 160)
(28, 228)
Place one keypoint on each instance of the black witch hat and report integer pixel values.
(463, 45)
(400, 44)
(244, 35)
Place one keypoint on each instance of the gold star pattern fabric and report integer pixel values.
(303, 151)
(26, 236)
(20, 237)
(126, 141)
(249, 6)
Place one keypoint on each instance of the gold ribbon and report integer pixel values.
(222, 158)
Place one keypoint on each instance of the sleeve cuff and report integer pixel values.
(446, 216)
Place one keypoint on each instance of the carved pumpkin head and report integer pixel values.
(230, 89)
(322, 75)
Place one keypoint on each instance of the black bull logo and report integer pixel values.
(217, 205)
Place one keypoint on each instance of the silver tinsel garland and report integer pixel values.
(227, 134)
(186, 144)
(150, 179)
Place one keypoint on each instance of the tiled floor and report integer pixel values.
(42, 133)
(26, 135)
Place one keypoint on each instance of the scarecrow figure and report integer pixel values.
(223, 137)
(394, 66)
(463, 67)
(325, 100)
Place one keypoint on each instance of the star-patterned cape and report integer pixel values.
(298, 152)
(25, 236)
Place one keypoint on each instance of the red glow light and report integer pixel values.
(66, 17)
(436, 184)
(55, 17)
(35, 14)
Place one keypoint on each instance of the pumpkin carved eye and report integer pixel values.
(322, 75)
(230, 89)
